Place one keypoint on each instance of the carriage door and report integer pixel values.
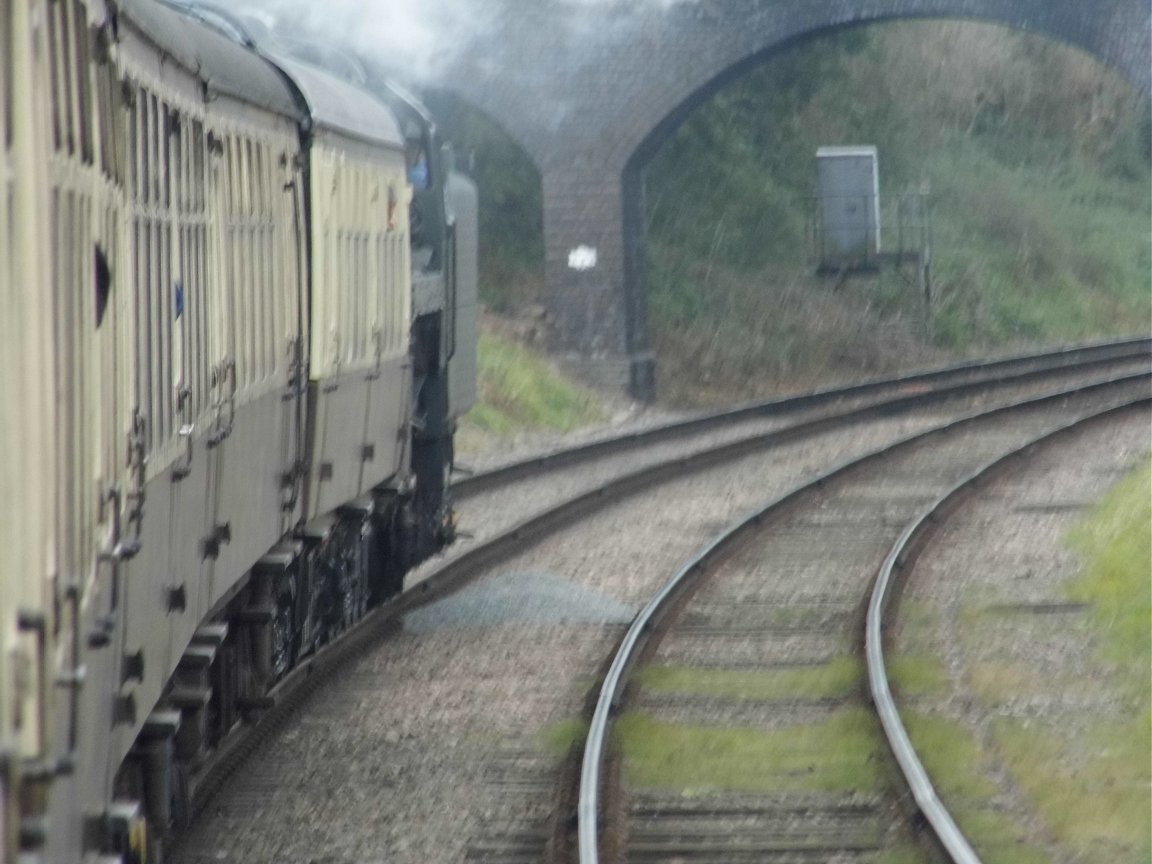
(220, 382)
(111, 290)
(290, 258)
(224, 158)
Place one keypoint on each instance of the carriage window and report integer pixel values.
(83, 81)
(155, 154)
(143, 355)
(7, 93)
(169, 167)
(54, 53)
(176, 161)
(165, 306)
(137, 152)
(198, 144)
(66, 58)
(107, 113)
(103, 283)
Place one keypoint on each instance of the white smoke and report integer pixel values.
(663, 4)
(420, 37)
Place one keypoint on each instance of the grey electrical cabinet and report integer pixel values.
(849, 204)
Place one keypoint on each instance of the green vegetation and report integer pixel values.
(1115, 543)
(951, 756)
(517, 391)
(917, 675)
(905, 852)
(998, 682)
(1088, 784)
(1038, 163)
(833, 680)
(843, 754)
(560, 737)
(957, 764)
(1036, 156)
(1092, 789)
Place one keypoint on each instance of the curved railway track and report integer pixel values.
(722, 614)
(749, 430)
(757, 416)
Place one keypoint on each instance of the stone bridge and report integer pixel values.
(591, 88)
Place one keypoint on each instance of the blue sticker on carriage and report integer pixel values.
(179, 299)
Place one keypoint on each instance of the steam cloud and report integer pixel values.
(418, 38)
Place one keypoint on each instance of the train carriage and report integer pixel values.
(144, 318)
(226, 426)
(360, 289)
(60, 233)
(28, 552)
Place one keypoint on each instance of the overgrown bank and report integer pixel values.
(1037, 161)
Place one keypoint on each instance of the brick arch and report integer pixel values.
(1116, 32)
(591, 91)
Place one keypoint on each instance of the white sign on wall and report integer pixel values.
(582, 258)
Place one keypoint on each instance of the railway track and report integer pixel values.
(557, 487)
(988, 590)
(761, 631)
(511, 533)
(759, 417)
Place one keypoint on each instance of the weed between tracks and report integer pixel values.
(959, 767)
(841, 754)
(833, 680)
(917, 675)
(837, 679)
(560, 737)
(1115, 543)
(1088, 784)
(1092, 789)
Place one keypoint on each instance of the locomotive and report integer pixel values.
(237, 329)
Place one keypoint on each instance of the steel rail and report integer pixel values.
(611, 691)
(947, 832)
(455, 572)
(986, 371)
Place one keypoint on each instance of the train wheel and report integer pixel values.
(283, 635)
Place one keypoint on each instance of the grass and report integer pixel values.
(518, 391)
(1092, 789)
(1115, 544)
(917, 674)
(904, 852)
(1038, 166)
(995, 683)
(560, 737)
(836, 679)
(950, 755)
(955, 760)
(839, 678)
(1005, 269)
(843, 754)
